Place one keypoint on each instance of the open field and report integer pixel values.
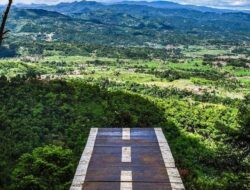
(190, 73)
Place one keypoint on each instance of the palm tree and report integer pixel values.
(3, 32)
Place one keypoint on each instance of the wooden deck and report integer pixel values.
(127, 159)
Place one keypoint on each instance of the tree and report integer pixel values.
(3, 32)
(237, 155)
(46, 168)
(242, 137)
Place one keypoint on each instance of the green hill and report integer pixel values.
(129, 25)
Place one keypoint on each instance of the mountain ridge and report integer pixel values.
(156, 4)
(128, 24)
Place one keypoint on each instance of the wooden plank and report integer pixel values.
(116, 186)
(127, 159)
(101, 186)
(140, 174)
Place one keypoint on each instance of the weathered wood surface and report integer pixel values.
(127, 159)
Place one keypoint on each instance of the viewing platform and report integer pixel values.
(127, 159)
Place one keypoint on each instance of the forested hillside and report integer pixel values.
(128, 25)
(36, 113)
(70, 67)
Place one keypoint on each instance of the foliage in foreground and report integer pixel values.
(36, 113)
(48, 167)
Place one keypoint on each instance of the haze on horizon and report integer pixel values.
(231, 4)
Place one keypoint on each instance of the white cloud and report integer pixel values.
(217, 3)
(233, 4)
(240, 3)
(213, 3)
(37, 1)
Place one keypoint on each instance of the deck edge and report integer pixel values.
(82, 167)
(173, 173)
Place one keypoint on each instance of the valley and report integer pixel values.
(70, 67)
(198, 104)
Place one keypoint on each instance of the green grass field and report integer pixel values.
(125, 70)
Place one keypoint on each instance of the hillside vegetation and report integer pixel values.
(73, 66)
(36, 113)
(60, 100)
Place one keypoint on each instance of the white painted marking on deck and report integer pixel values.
(126, 180)
(126, 154)
(173, 173)
(126, 134)
(84, 161)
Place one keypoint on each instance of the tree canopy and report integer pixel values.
(45, 168)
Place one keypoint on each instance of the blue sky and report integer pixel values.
(233, 4)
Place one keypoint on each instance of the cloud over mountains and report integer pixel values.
(218, 3)
(232, 4)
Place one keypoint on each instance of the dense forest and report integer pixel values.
(209, 142)
(70, 67)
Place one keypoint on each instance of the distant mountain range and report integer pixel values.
(172, 5)
(129, 23)
(79, 6)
